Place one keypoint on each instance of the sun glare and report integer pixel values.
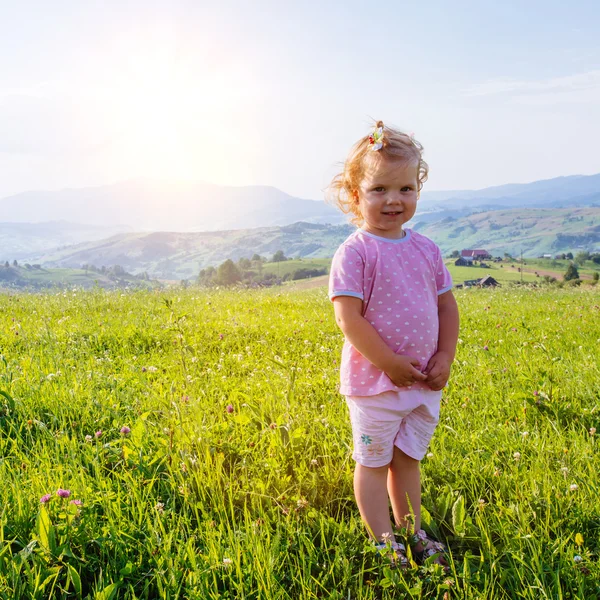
(172, 118)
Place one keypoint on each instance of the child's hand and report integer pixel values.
(403, 372)
(438, 371)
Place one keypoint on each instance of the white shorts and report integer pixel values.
(406, 419)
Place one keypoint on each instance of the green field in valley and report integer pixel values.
(192, 444)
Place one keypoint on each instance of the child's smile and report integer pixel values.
(387, 197)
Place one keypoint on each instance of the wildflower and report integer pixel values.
(481, 502)
(430, 455)
(314, 462)
(229, 408)
(76, 502)
(144, 369)
(63, 493)
(573, 487)
(485, 347)
(536, 393)
(387, 537)
(273, 425)
(221, 336)
(227, 562)
(152, 369)
(125, 430)
(45, 498)
(160, 507)
(592, 430)
(577, 558)
(525, 433)
(302, 503)
(88, 438)
(98, 434)
(517, 455)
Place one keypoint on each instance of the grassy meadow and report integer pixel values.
(192, 444)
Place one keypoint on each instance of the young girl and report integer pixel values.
(392, 298)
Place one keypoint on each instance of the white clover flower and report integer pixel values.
(573, 487)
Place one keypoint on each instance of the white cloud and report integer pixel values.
(581, 87)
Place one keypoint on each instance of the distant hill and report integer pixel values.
(535, 231)
(20, 240)
(146, 205)
(182, 255)
(560, 192)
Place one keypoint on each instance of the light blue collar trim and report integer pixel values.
(384, 239)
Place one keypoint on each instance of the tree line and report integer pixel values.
(250, 271)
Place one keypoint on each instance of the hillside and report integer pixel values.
(534, 231)
(148, 205)
(20, 240)
(181, 255)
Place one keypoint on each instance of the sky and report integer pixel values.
(276, 92)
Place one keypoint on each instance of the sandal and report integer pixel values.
(429, 548)
(396, 552)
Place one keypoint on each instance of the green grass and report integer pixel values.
(199, 502)
(289, 266)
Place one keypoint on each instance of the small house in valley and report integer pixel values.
(478, 254)
(488, 281)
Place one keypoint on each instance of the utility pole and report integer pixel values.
(521, 265)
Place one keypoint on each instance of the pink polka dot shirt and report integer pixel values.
(399, 281)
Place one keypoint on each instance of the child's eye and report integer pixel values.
(406, 188)
(379, 188)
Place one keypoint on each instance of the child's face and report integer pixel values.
(387, 196)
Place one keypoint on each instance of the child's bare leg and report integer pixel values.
(404, 478)
(371, 494)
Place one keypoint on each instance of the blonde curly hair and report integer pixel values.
(396, 146)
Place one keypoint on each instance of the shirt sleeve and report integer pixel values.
(346, 277)
(443, 279)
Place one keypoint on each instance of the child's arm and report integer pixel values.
(438, 368)
(361, 334)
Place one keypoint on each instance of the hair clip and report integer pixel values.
(376, 139)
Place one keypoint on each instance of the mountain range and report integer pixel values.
(172, 231)
(181, 255)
